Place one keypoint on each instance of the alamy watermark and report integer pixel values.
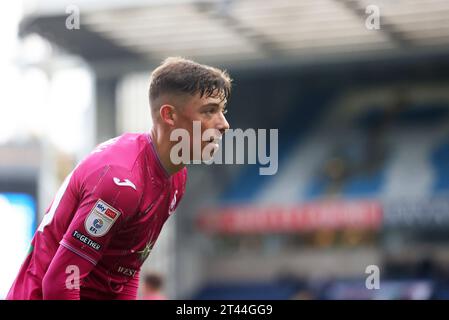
(372, 282)
(372, 22)
(254, 145)
(72, 22)
(72, 281)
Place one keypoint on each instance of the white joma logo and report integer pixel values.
(124, 183)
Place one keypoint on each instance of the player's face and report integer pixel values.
(210, 113)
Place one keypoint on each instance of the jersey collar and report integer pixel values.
(156, 158)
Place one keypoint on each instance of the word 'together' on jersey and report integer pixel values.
(109, 211)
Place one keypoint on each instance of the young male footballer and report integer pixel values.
(109, 211)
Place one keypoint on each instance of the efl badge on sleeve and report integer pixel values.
(100, 219)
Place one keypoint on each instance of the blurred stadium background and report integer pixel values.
(363, 119)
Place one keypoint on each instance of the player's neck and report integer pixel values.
(163, 146)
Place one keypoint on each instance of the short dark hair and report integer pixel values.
(178, 75)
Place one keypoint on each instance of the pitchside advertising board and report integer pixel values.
(17, 226)
(430, 213)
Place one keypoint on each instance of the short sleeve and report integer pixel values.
(108, 199)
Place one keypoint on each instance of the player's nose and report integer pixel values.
(223, 124)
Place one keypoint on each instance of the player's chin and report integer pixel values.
(208, 151)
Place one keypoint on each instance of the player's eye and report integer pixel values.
(209, 111)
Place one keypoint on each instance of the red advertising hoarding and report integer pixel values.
(283, 219)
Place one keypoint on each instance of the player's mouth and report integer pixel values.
(215, 140)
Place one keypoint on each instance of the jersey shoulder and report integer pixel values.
(122, 151)
(112, 172)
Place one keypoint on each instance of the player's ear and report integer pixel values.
(168, 115)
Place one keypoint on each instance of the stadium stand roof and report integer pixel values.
(244, 32)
